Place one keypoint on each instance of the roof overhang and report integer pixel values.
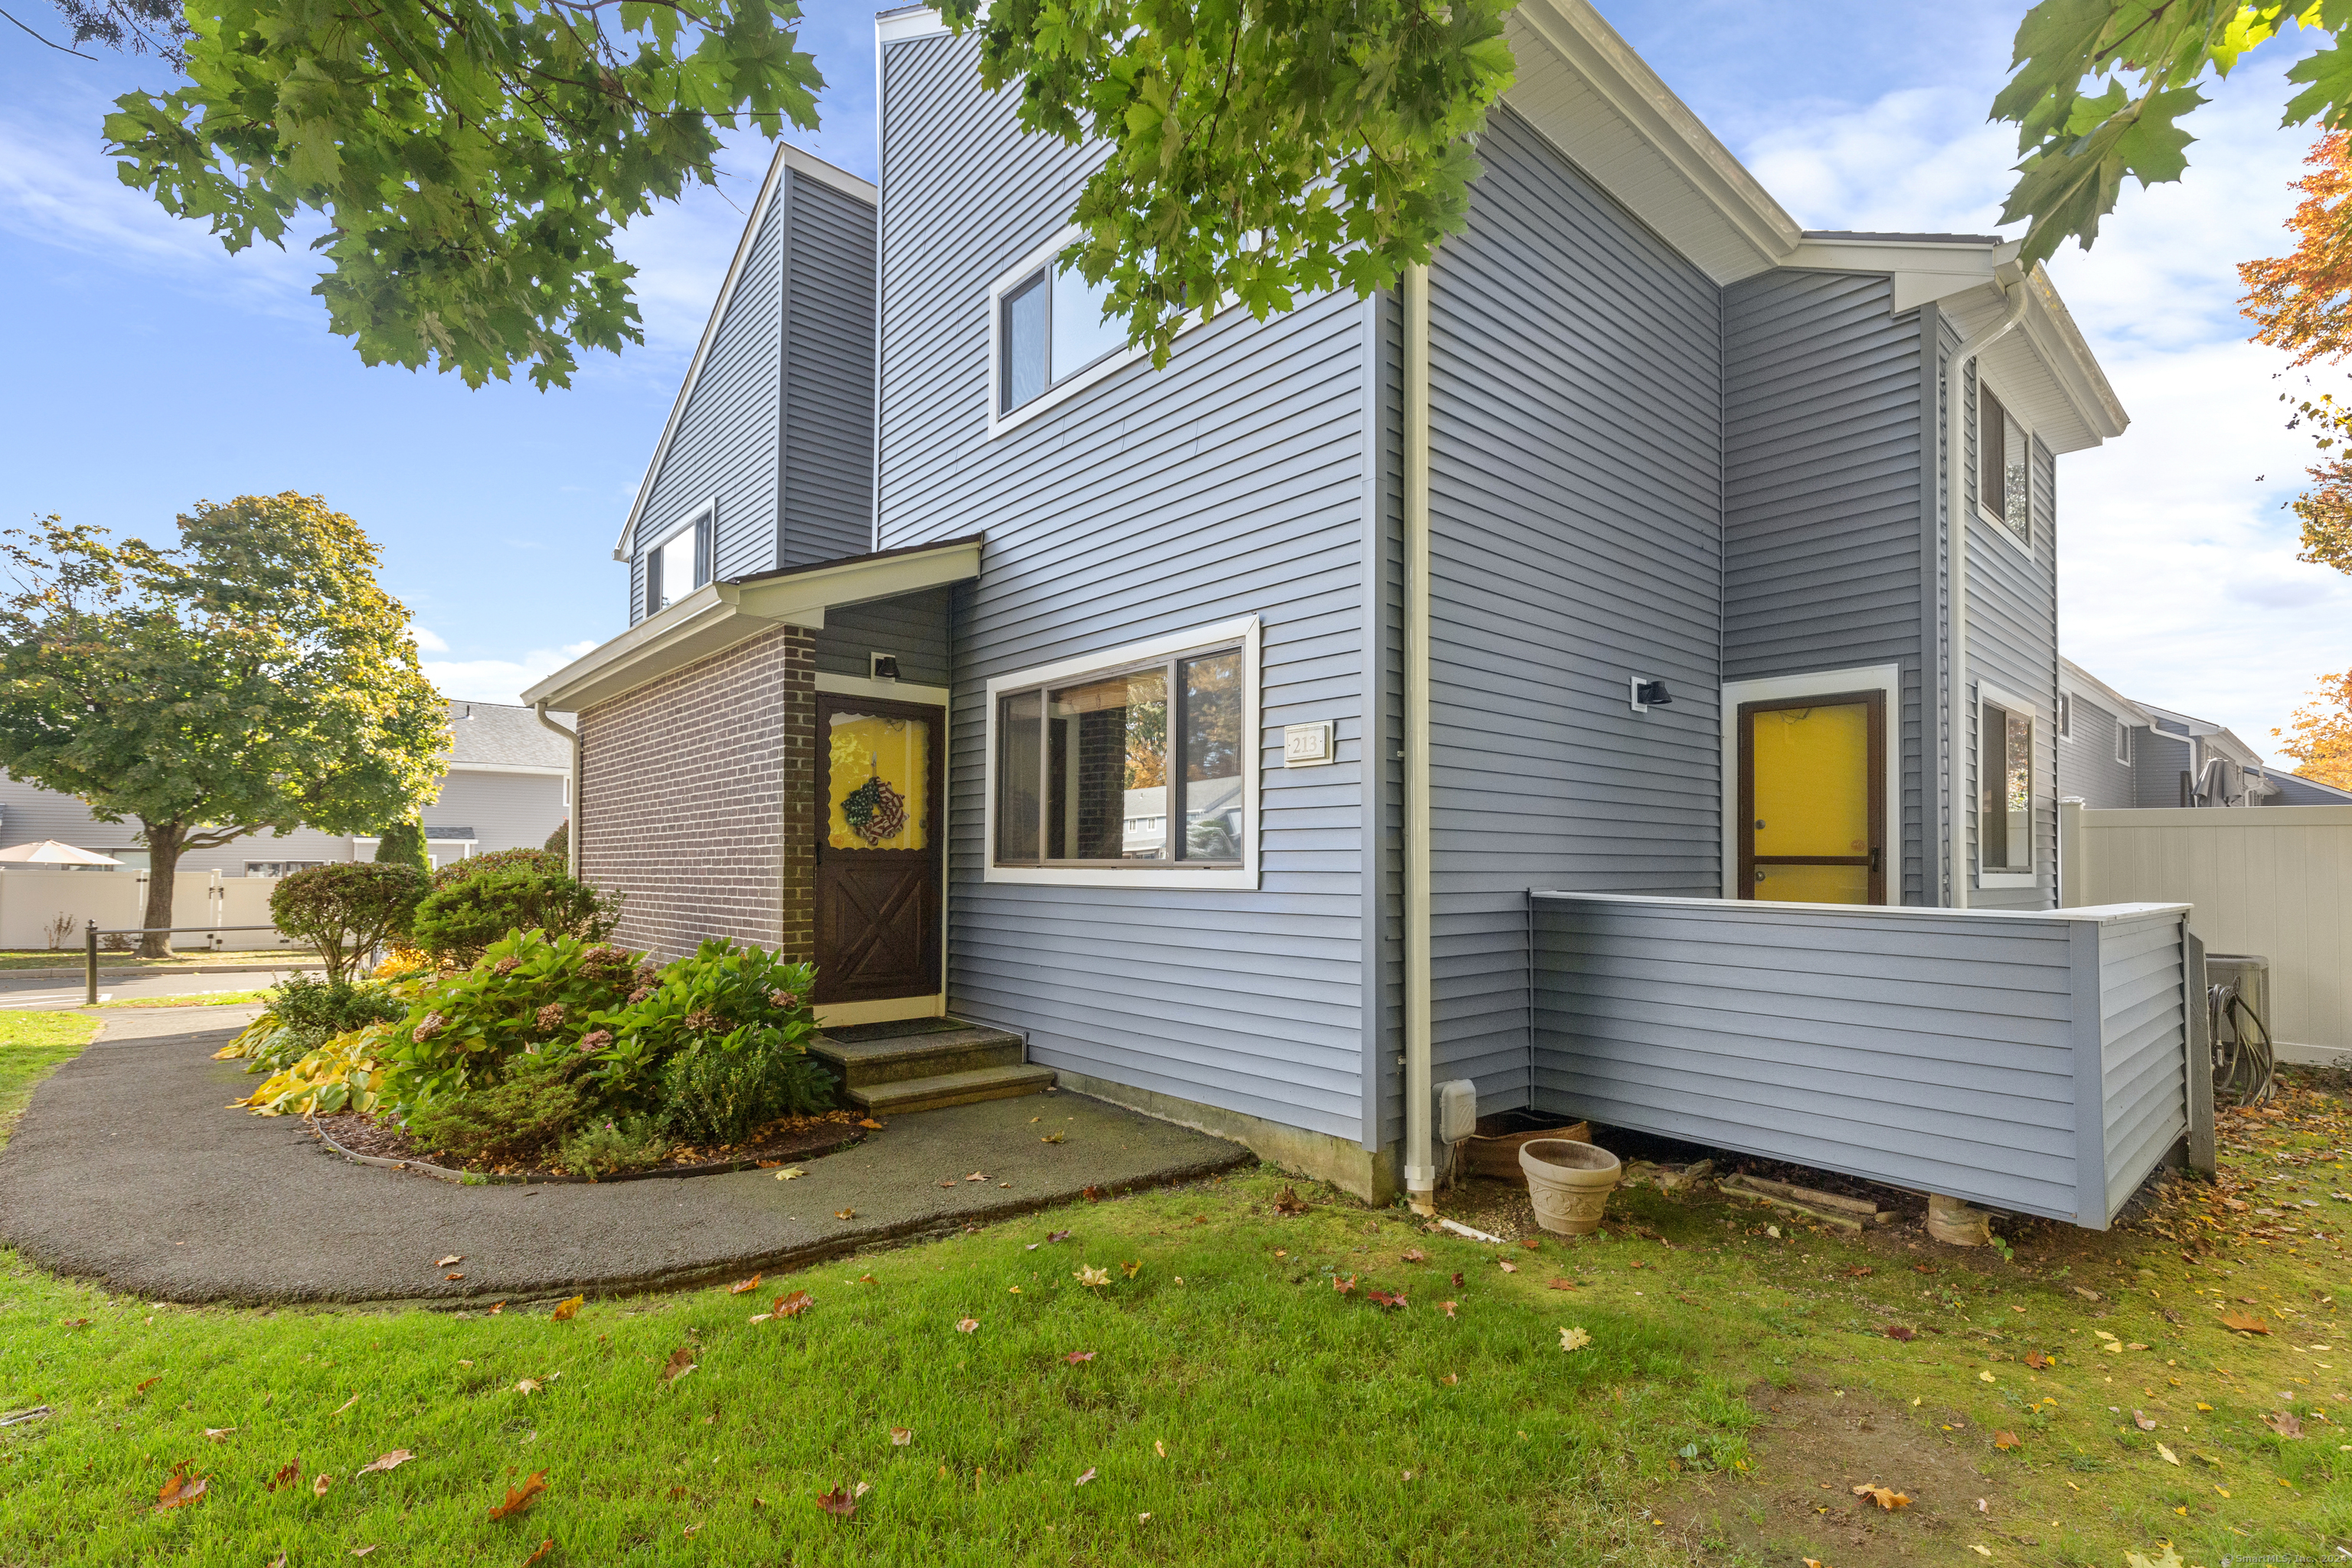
(718, 616)
(2129, 711)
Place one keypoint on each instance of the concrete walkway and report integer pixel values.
(127, 1169)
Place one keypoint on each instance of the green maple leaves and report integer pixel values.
(473, 160)
(2079, 146)
(1256, 150)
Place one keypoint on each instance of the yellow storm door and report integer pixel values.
(1812, 797)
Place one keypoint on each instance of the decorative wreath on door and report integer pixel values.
(875, 811)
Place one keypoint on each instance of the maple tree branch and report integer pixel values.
(61, 48)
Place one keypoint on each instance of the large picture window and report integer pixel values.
(2005, 789)
(1140, 764)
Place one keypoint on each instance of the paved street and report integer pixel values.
(50, 993)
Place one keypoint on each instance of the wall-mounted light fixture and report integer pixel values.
(1643, 695)
(885, 666)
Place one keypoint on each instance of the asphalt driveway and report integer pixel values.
(127, 1169)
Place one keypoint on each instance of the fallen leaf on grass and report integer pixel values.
(497, 1307)
(793, 1305)
(391, 1461)
(1057, 1236)
(2167, 1454)
(1534, 1244)
(838, 1502)
(181, 1489)
(902, 1435)
(1077, 1356)
(1574, 1339)
(1447, 1307)
(1082, 1480)
(529, 1385)
(1412, 1254)
(287, 1476)
(451, 1261)
(1287, 1202)
(2244, 1323)
(1343, 1285)
(2007, 1440)
(364, 1550)
(1561, 1285)
(2284, 1423)
(1450, 1379)
(1131, 1269)
(545, 1548)
(148, 1384)
(2039, 1361)
(681, 1361)
(520, 1497)
(1091, 1277)
(867, 1279)
(2169, 1558)
(1506, 1266)
(1382, 1299)
(744, 1287)
(319, 1485)
(966, 1325)
(1902, 1332)
(1887, 1498)
(566, 1311)
(1859, 1272)
(73, 1322)
(2145, 1422)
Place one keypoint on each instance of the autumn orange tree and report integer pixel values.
(2319, 736)
(2301, 302)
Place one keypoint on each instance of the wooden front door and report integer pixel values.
(1812, 799)
(877, 849)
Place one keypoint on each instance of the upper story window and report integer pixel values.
(680, 564)
(2004, 481)
(2123, 743)
(1047, 335)
(1136, 767)
(2065, 716)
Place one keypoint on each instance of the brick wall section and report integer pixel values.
(697, 800)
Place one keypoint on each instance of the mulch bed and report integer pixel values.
(780, 1143)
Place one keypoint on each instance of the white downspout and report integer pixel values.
(572, 808)
(1420, 1164)
(1955, 833)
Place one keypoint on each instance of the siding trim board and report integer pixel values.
(2029, 1060)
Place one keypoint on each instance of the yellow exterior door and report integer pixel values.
(1812, 799)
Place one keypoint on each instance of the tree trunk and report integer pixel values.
(162, 873)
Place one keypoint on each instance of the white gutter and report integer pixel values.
(572, 745)
(1420, 1163)
(1955, 634)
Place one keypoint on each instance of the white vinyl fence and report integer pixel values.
(32, 901)
(2273, 879)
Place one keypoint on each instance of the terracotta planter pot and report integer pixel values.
(1570, 1182)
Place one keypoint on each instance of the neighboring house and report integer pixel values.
(507, 786)
(2116, 753)
(1614, 553)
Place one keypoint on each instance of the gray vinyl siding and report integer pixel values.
(2088, 768)
(914, 626)
(505, 811)
(1576, 540)
(2144, 1049)
(2013, 645)
(1979, 1055)
(2295, 791)
(1821, 507)
(1231, 483)
(724, 445)
(828, 432)
(780, 424)
(2157, 762)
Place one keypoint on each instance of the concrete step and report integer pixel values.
(902, 1096)
(869, 1054)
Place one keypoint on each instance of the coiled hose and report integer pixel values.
(2243, 1065)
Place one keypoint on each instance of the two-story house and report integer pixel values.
(1209, 726)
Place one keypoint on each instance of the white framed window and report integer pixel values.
(1046, 336)
(1134, 767)
(2123, 743)
(680, 563)
(2007, 789)
(2004, 470)
(2065, 716)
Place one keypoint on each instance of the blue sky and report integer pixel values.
(148, 369)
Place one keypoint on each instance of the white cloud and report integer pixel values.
(427, 641)
(499, 679)
(2178, 578)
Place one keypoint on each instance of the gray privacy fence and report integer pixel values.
(2036, 1062)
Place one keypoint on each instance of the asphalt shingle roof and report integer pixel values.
(498, 733)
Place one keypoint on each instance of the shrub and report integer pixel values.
(457, 871)
(461, 1029)
(559, 843)
(713, 1092)
(723, 997)
(346, 908)
(606, 1148)
(536, 1106)
(461, 921)
(333, 1006)
(403, 844)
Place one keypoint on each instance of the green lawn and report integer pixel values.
(195, 999)
(31, 1046)
(1236, 1408)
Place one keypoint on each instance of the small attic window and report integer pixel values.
(680, 563)
(2004, 485)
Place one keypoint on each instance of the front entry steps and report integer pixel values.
(923, 1064)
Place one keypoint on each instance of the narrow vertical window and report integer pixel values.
(2005, 789)
(2123, 743)
(1020, 755)
(2004, 487)
(2066, 717)
(1211, 757)
(1022, 332)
